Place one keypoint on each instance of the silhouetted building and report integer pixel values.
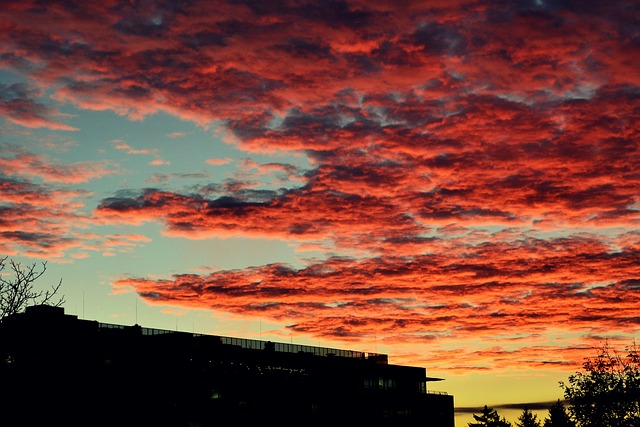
(58, 370)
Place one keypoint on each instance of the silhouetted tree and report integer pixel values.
(558, 416)
(527, 419)
(607, 393)
(17, 290)
(489, 418)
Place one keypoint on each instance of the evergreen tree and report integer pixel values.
(489, 418)
(527, 419)
(558, 416)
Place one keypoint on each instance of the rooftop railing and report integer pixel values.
(260, 344)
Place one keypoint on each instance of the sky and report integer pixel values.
(453, 183)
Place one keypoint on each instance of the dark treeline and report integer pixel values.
(606, 393)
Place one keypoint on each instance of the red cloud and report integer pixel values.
(478, 162)
(493, 290)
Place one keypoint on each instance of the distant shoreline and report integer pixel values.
(534, 406)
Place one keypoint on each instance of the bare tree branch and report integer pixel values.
(17, 289)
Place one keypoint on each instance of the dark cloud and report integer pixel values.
(437, 39)
(18, 104)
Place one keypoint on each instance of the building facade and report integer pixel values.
(61, 370)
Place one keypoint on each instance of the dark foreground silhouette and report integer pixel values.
(58, 370)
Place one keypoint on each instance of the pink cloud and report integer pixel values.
(17, 105)
(218, 162)
(48, 222)
(21, 162)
